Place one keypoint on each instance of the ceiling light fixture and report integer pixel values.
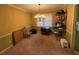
(39, 15)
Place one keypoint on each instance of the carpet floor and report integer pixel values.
(39, 44)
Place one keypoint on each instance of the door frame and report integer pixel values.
(74, 26)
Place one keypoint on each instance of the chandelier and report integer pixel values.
(40, 15)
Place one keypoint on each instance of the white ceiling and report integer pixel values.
(34, 8)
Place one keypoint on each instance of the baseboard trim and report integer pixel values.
(5, 49)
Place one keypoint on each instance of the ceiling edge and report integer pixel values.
(16, 7)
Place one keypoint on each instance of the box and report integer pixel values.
(64, 43)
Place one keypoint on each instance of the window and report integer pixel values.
(39, 22)
(45, 22)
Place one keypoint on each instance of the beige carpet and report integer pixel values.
(39, 44)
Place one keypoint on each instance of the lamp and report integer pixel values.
(39, 15)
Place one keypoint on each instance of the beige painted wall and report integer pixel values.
(70, 22)
(33, 20)
(12, 19)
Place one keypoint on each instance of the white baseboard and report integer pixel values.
(5, 49)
